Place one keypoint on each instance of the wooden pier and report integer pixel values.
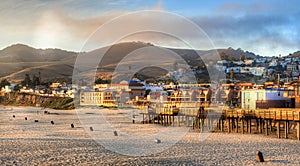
(280, 121)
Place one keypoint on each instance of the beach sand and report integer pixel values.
(25, 142)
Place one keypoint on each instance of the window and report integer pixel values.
(260, 96)
(246, 95)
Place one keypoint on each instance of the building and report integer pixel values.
(294, 94)
(157, 96)
(257, 71)
(234, 69)
(100, 98)
(252, 99)
(91, 98)
(221, 65)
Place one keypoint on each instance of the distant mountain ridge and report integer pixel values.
(18, 60)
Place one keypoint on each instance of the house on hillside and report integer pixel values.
(257, 71)
(221, 65)
(234, 69)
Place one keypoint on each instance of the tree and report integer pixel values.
(17, 87)
(3, 83)
(254, 63)
(35, 80)
(27, 81)
(147, 92)
(101, 81)
(231, 73)
(242, 57)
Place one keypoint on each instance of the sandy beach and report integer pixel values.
(25, 142)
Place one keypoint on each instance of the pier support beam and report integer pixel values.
(278, 129)
(202, 125)
(242, 126)
(261, 125)
(250, 130)
(237, 125)
(173, 120)
(222, 125)
(209, 123)
(247, 125)
(143, 118)
(232, 124)
(228, 125)
(267, 130)
(286, 129)
(298, 130)
(149, 118)
(167, 120)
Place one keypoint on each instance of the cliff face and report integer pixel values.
(31, 100)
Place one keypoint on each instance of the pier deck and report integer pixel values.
(282, 121)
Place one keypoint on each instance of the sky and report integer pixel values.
(265, 27)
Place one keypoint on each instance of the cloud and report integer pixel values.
(252, 31)
(62, 24)
(43, 24)
(264, 28)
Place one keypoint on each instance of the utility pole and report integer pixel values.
(278, 81)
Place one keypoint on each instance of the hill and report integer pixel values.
(55, 64)
(18, 60)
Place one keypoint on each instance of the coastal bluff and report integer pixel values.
(26, 99)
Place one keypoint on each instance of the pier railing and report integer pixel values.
(272, 113)
(193, 110)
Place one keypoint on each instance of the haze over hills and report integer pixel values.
(18, 60)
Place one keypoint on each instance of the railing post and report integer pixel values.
(280, 115)
(293, 115)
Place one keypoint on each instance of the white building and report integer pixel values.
(6, 89)
(250, 98)
(248, 62)
(91, 98)
(102, 98)
(273, 63)
(257, 71)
